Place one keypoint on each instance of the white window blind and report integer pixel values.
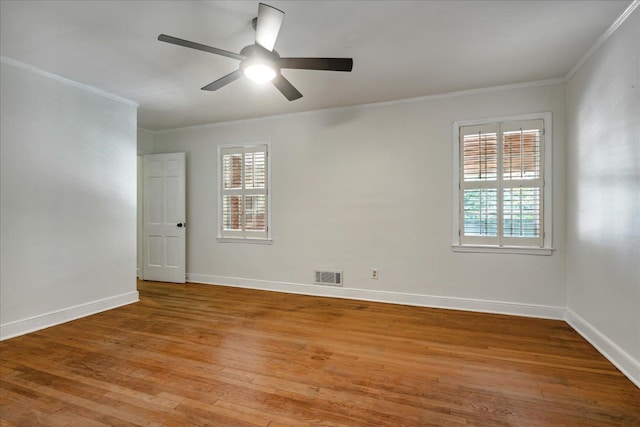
(501, 184)
(244, 196)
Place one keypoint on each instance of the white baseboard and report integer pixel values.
(35, 323)
(468, 304)
(629, 366)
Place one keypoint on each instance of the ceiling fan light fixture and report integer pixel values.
(259, 72)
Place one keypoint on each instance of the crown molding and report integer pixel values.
(64, 80)
(468, 92)
(603, 38)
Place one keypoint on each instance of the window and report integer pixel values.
(243, 196)
(502, 189)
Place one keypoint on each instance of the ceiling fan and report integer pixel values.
(259, 62)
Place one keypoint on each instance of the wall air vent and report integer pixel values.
(331, 278)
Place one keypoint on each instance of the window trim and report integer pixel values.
(253, 240)
(547, 201)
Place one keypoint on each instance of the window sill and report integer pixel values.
(248, 240)
(521, 250)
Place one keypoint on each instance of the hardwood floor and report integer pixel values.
(208, 355)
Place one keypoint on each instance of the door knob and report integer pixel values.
(180, 225)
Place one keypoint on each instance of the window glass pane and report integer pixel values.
(480, 212)
(255, 212)
(232, 213)
(232, 171)
(255, 170)
(480, 156)
(521, 154)
(521, 217)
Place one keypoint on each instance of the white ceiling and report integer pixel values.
(401, 49)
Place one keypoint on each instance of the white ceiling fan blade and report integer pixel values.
(268, 25)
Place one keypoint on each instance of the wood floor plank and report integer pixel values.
(209, 355)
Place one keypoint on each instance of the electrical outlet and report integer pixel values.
(374, 273)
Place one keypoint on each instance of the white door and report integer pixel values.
(164, 215)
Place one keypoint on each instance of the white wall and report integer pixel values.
(68, 200)
(603, 192)
(144, 142)
(366, 187)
